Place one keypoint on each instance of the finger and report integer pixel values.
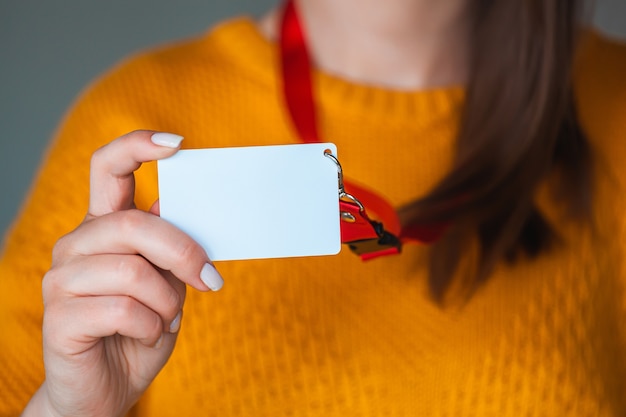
(135, 232)
(130, 275)
(78, 323)
(181, 289)
(156, 208)
(112, 185)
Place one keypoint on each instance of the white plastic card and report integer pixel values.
(254, 202)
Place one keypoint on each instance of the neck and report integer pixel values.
(400, 44)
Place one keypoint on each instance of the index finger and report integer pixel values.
(112, 182)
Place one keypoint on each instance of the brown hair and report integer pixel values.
(519, 125)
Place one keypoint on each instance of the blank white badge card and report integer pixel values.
(254, 202)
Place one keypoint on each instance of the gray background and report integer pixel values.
(49, 50)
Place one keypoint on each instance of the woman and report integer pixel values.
(494, 127)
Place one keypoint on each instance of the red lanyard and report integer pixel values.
(367, 238)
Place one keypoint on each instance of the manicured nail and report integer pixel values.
(159, 342)
(168, 140)
(175, 324)
(211, 277)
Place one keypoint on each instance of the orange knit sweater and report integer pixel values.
(334, 336)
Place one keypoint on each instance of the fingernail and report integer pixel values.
(159, 342)
(211, 277)
(175, 324)
(168, 140)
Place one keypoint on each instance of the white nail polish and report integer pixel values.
(168, 140)
(211, 277)
(175, 324)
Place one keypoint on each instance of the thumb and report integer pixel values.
(112, 178)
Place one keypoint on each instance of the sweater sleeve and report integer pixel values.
(56, 204)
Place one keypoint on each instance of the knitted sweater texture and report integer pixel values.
(335, 336)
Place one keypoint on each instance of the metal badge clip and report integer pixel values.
(367, 238)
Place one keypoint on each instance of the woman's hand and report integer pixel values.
(114, 294)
